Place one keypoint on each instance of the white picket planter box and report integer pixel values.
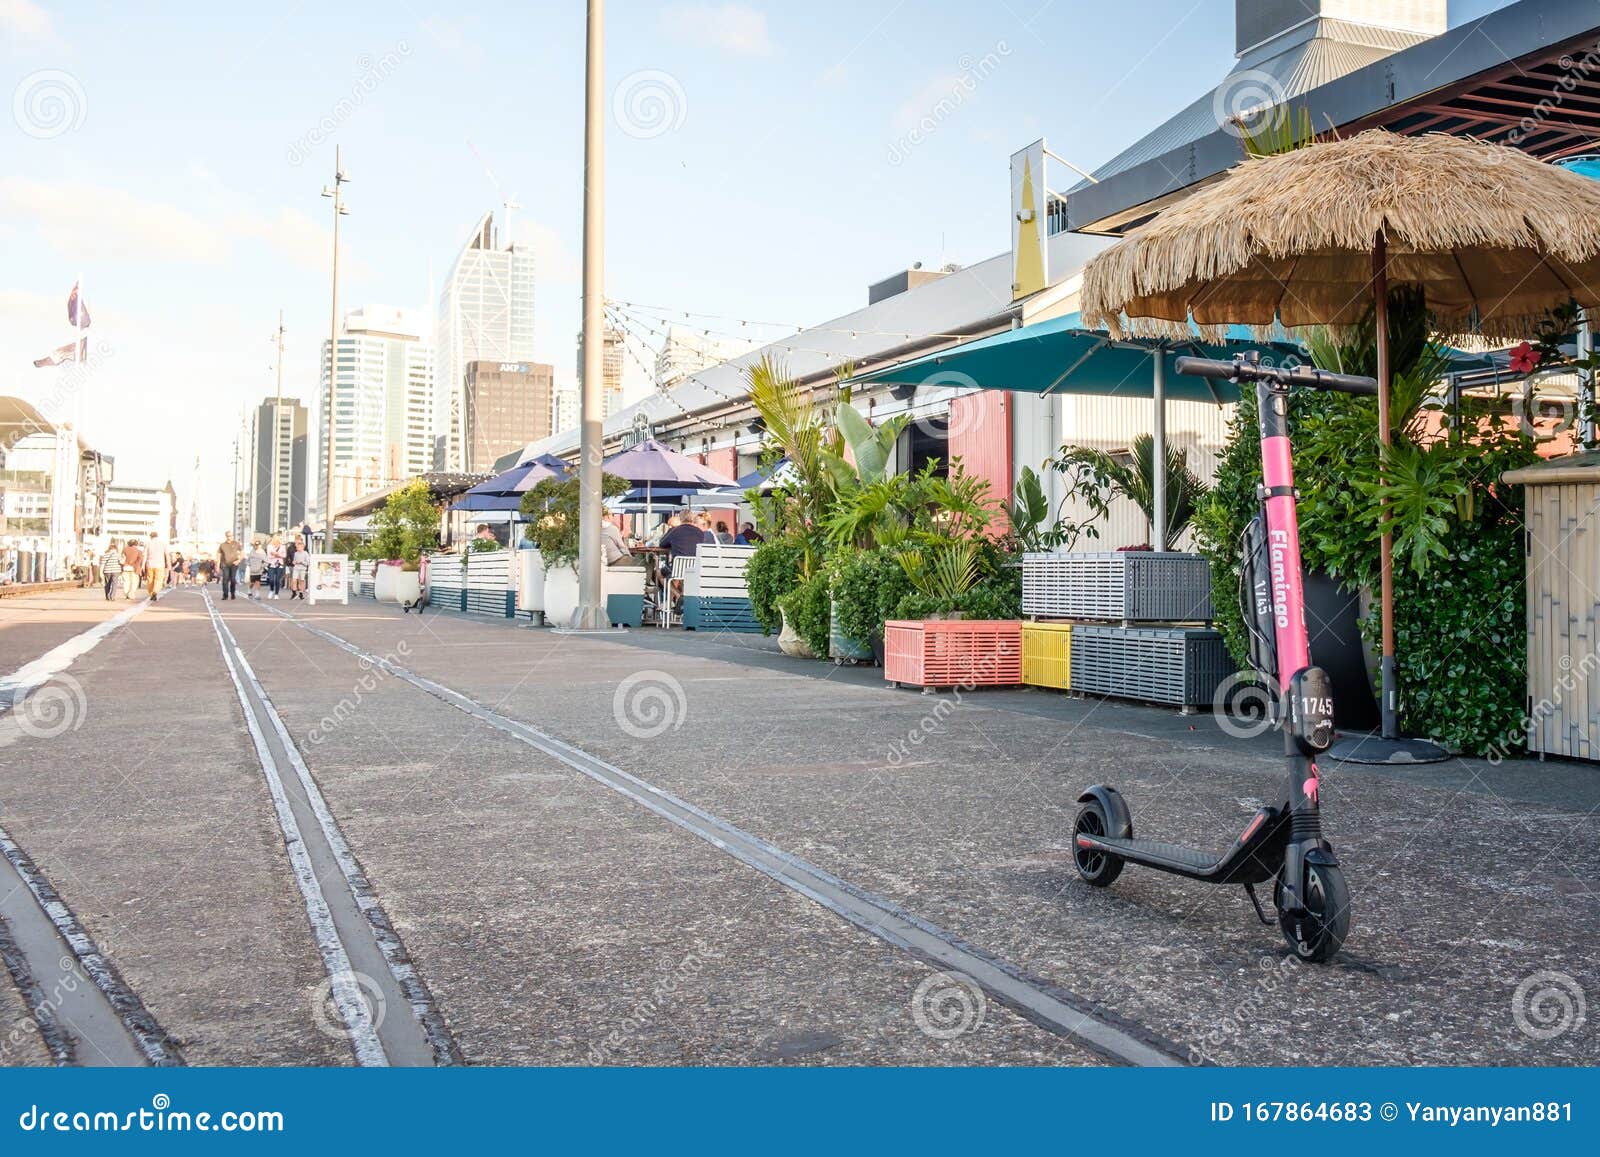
(392, 584)
(560, 595)
(530, 582)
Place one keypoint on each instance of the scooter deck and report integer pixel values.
(1158, 851)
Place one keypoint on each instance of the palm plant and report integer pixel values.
(1098, 475)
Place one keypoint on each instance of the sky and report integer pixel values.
(763, 163)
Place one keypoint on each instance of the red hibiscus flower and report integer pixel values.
(1524, 359)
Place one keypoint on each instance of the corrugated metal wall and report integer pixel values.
(1199, 428)
(1563, 604)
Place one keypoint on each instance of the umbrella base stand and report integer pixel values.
(1378, 749)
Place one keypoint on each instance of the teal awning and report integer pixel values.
(1060, 357)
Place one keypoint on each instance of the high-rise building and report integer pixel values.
(485, 313)
(686, 352)
(566, 410)
(506, 406)
(384, 405)
(135, 511)
(263, 510)
(611, 355)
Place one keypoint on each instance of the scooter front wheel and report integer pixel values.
(1319, 933)
(1097, 868)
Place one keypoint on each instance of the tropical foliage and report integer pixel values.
(1457, 529)
(1097, 476)
(406, 525)
(553, 506)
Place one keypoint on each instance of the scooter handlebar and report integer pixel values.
(1306, 377)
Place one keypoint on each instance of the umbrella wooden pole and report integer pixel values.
(1158, 451)
(1380, 290)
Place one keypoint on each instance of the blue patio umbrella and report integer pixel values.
(504, 491)
(657, 470)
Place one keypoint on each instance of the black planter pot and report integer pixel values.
(1333, 620)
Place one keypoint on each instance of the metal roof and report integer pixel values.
(1319, 52)
(963, 304)
(1484, 79)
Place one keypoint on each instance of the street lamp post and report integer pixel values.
(591, 615)
(339, 210)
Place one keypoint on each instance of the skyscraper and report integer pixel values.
(264, 512)
(507, 405)
(485, 313)
(611, 354)
(384, 406)
(686, 352)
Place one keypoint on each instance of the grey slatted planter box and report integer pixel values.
(1182, 666)
(1126, 586)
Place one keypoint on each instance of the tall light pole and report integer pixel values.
(339, 210)
(591, 615)
(277, 419)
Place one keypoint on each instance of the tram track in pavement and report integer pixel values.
(77, 1001)
(370, 976)
(1096, 1028)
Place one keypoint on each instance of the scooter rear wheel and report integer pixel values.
(1320, 933)
(1097, 868)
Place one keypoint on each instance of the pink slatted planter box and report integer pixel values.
(953, 653)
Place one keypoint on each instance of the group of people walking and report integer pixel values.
(273, 564)
(129, 565)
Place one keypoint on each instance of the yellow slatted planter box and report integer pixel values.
(1047, 655)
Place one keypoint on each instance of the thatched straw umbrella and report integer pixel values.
(1314, 236)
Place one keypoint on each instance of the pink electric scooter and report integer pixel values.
(1282, 843)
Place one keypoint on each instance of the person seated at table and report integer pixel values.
(722, 534)
(748, 536)
(682, 539)
(617, 552)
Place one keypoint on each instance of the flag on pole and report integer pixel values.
(73, 351)
(77, 309)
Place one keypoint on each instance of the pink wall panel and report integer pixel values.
(980, 435)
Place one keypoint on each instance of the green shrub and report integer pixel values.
(867, 585)
(772, 572)
(1460, 656)
(553, 507)
(807, 609)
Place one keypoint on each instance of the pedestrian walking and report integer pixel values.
(299, 559)
(255, 564)
(155, 566)
(229, 554)
(275, 564)
(132, 567)
(111, 567)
